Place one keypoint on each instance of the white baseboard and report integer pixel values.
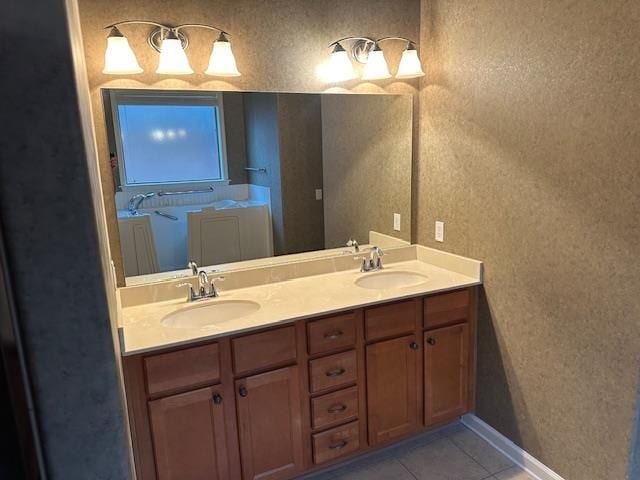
(530, 464)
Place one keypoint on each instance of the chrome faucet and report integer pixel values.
(353, 243)
(375, 260)
(136, 201)
(194, 267)
(206, 287)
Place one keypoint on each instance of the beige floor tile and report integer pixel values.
(442, 460)
(481, 451)
(514, 473)
(385, 468)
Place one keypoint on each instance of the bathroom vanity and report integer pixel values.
(288, 389)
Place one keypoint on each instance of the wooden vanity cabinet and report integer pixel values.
(287, 400)
(188, 436)
(446, 373)
(394, 370)
(392, 389)
(269, 424)
(449, 355)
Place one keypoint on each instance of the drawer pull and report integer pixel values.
(336, 372)
(243, 392)
(217, 399)
(333, 335)
(431, 341)
(338, 446)
(338, 408)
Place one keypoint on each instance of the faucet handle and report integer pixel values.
(191, 293)
(213, 292)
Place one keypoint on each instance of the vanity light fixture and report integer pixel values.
(171, 42)
(367, 51)
(376, 67)
(341, 66)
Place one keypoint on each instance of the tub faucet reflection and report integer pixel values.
(136, 201)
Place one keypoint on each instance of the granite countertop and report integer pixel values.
(299, 298)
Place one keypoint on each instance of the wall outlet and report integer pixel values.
(318, 194)
(439, 231)
(396, 222)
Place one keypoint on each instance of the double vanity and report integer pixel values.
(296, 366)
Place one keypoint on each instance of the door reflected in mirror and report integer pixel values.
(226, 177)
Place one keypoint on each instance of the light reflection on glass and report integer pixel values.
(170, 134)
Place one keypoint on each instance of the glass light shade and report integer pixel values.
(376, 67)
(410, 66)
(222, 63)
(341, 68)
(173, 60)
(119, 59)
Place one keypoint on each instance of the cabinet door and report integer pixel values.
(269, 424)
(392, 388)
(446, 373)
(188, 436)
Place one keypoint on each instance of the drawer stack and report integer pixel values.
(334, 387)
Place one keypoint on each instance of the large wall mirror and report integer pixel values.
(220, 178)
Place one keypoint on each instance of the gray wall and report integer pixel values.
(530, 154)
(52, 249)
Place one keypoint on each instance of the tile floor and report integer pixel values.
(452, 453)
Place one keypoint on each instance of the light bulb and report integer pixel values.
(376, 67)
(222, 63)
(119, 59)
(410, 66)
(341, 68)
(173, 60)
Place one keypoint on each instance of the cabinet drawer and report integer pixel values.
(333, 371)
(178, 370)
(446, 309)
(331, 333)
(264, 350)
(390, 320)
(335, 443)
(334, 407)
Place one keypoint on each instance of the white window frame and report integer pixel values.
(164, 97)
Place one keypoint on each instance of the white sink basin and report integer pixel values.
(211, 314)
(388, 280)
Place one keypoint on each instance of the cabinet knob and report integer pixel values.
(338, 445)
(337, 408)
(243, 392)
(336, 372)
(431, 341)
(333, 335)
(413, 346)
(217, 398)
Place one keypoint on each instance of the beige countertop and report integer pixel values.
(294, 299)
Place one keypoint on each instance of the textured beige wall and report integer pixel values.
(530, 153)
(278, 46)
(366, 152)
(300, 134)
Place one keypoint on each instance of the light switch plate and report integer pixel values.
(318, 194)
(396, 222)
(439, 231)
